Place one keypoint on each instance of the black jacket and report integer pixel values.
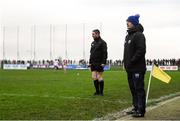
(135, 50)
(98, 52)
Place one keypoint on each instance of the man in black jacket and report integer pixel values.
(98, 56)
(134, 63)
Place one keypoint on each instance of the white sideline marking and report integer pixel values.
(71, 97)
(121, 115)
(128, 117)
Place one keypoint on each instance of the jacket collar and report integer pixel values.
(97, 39)
(138, 28)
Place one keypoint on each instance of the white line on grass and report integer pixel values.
(128, 117)
(121, 115)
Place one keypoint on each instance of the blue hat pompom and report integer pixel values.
(137, 16)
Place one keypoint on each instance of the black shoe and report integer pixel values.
(131, 112)
(138, 114)
(101, 94)
(96, 94)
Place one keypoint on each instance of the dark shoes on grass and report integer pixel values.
(135, 113)
(138, 114)
(98, 94)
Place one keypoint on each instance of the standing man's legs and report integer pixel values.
(97, 76)
(133, 91)
(101, 82)
(138, 79)
(96, 83)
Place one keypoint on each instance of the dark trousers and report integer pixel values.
(136, 85)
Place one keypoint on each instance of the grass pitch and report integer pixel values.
(51, 94)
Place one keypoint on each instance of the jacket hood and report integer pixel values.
(140, 28)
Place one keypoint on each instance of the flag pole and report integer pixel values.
(149, 83)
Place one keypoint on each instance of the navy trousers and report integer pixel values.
(136, 85)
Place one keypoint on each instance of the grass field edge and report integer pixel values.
(153, 103)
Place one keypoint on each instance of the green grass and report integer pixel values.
(50, 94)
(173, 108)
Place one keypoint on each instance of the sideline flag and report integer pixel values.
(160, 74)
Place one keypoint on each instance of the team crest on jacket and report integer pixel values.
(129, 41)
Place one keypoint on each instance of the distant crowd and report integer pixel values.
(160, 62)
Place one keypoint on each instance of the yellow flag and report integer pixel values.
(160, 74)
